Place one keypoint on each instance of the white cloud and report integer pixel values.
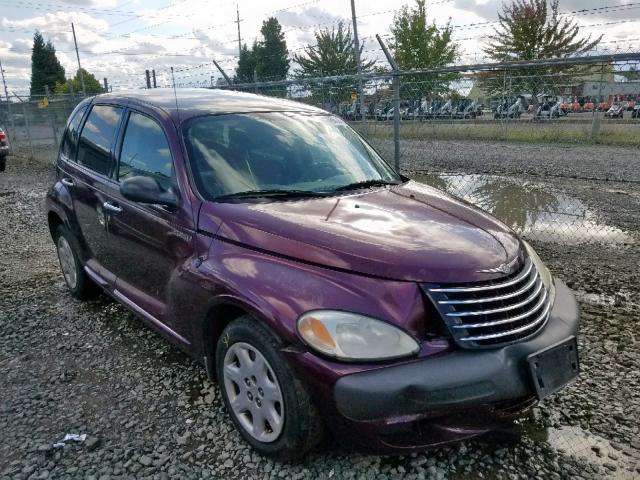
(119, 39)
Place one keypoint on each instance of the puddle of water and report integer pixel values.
(532, 209)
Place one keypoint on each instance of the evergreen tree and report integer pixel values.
(333, 54)
(246, 64)
(271, 54)
(45, 66)
(91, 83)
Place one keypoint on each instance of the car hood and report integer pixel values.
(408, 232)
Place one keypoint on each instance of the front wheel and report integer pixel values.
(268, 404)
(3, 164)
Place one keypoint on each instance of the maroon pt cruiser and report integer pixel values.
(321, 289)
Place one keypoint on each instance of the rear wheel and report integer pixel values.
(79, 284)
(268, 404)
(3, 163)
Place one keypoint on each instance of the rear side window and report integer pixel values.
(70, 140)
(145, 151)
(96, 140)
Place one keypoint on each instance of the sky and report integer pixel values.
(119, 39)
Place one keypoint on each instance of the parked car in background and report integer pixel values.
(615, 111)
(4, 150)
(324, 291)
(636, 111)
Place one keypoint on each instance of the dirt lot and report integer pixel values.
(149, 412)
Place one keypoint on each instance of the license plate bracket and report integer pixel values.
(554, 366)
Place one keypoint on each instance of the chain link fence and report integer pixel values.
(35, 125)
(515, 139)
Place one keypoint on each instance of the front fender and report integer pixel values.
(278, 290)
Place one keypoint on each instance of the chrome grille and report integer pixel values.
(495, 313)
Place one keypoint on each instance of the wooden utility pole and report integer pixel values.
(75, 43)
(238, 22)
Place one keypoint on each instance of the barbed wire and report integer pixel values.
(205, 67)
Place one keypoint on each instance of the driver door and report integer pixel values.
(148, 243)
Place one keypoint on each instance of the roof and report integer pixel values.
(198, 101)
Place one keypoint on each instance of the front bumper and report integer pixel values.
(4, 150)
(453, 381)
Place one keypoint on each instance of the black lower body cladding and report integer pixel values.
(463, 378)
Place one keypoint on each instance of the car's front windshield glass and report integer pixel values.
(282, 152)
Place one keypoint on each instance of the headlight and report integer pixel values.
(544, 272)
(350, 336)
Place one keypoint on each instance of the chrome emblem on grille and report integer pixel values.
(505, 268)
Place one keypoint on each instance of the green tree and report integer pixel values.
(246, 64)
(91, 83)
(45, 67)
(271, 54)
(333, 54)
(417, 44)
(534, 30)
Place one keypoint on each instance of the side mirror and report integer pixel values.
(147, 190)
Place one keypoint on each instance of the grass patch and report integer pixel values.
(613, 134)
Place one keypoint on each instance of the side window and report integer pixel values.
(70, 139)
(97, 138)
(145, 151)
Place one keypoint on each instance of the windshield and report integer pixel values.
(235, 154)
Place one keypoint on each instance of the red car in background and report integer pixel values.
(4, 149)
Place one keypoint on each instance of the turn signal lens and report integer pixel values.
(314, 331)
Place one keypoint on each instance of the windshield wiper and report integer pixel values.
(365, 184)
(271, 193)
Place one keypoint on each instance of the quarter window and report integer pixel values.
(96, 140)
(70, 139)
(145, 151)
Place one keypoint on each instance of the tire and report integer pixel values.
(3, 164)
(76, 279)
(301, 428)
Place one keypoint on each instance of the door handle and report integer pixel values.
(112, 207)
(67, 181)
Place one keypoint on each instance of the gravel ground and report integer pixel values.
(547, 160)
(148, 411)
